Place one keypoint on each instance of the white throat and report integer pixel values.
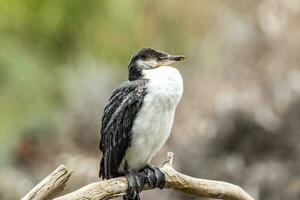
(166, 84)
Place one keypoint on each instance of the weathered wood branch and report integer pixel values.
(54, 183)
(51, 186)
(200, 187)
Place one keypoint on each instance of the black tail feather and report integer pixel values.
(101, 172)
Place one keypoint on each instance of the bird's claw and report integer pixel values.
(154, 177)
(136, 183)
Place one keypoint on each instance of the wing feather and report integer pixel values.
(117, 122)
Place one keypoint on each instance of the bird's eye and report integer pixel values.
(143, 57)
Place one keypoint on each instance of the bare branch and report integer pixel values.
(51, 186)
(200, 187)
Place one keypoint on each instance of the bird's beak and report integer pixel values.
(176, 58)
(170, 59)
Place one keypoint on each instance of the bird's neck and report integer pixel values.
(165, 85)
(162, 73)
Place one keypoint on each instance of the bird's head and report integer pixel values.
(147, 59)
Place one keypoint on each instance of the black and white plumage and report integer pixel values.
(117, 122)
(138, 118)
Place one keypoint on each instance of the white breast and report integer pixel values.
(154, 121)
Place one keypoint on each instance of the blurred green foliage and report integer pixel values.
(39, 37)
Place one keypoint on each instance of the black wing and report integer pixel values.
(117, 121)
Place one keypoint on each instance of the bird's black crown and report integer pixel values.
(148, 53)
(148, 58)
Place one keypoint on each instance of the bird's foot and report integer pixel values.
(154, 176)
(136, 183)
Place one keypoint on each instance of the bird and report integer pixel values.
(138, 118)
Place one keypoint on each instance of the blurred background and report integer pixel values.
(239, 117)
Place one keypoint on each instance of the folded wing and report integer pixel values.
(119, 115)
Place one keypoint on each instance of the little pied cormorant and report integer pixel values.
(138, 119)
